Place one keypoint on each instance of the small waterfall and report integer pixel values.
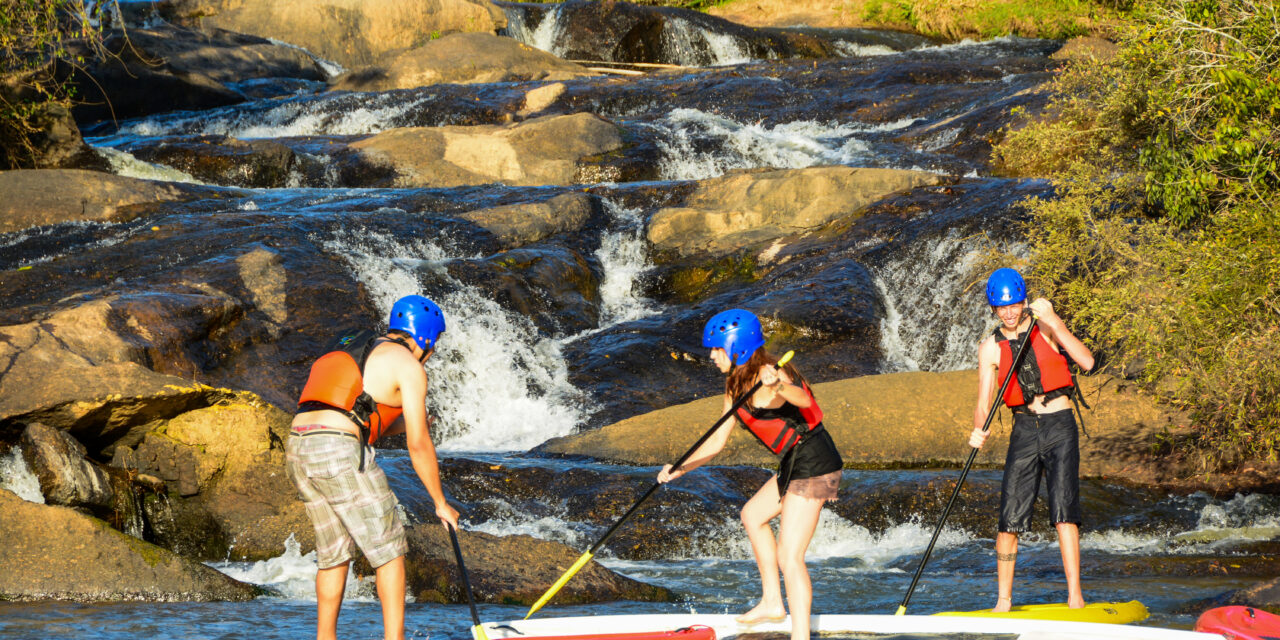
(292, 575)
(16, 476)
(933, 319)
(697, 145)
(624, 258)
(125, 164)
(692, 45)
(496, 383)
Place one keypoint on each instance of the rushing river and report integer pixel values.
(510, 379)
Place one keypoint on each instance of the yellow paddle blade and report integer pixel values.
(901, 611)
(477, 632)
(786, 357)
(577, 566)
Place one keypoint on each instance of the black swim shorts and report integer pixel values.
(1041, 443)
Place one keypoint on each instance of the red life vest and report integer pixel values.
(778, 434)
(1043, 371)
(337, 384)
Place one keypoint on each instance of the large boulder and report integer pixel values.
(510, 570)
(48, 196)
(747, 207)
(881, 421)
(57, 552)
(353, 33)
(461, 58)
(66, 477)
(223, 160)
(541, 151)
(528, 222)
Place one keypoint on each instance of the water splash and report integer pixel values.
(1220, 525)
(497, 384)
(692, 45)
(697, 145)
(931, 322)
(624, 258)
(16, 476)
(292, 575)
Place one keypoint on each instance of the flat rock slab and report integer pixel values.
(35, 197)
(541, 151)
(889, 421)
(53, 552)
(746, 207)
(461, 58)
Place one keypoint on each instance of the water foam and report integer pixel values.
(16, 476)
(932, 322)
(292, 575)
(1243, 519)
(697, 145)
(497, 384)
(624, 258)
(696, 46)
(125, 164)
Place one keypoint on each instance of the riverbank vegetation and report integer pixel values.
(1163, 245)
(33, 34)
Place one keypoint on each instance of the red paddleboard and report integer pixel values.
(1240, 623)
(697, 632)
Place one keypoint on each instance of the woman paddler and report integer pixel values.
(785, 418)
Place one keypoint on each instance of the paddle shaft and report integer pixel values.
(466, 581)
(1017, 360)
(681, 460)
(586, 557)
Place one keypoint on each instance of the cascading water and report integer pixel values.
(933, 320)
(496, 383)
(623, 256)
(16, 476)
(692, 45)
(696, 145)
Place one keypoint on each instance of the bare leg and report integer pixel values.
(1069, 543)
(756, 514)
(1006, 558)
(330, 584)
(390, 580)
(799, 521)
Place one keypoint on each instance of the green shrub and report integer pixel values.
(1162, 244)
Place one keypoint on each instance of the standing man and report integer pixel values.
(1044, 439)
(368, 386)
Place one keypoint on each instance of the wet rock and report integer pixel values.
(49, 196)
(1122, 424)
(528, 222)
(56, 141)
(1264, 595)
(353, 33)
(554, 286)
(539, 151)
(54, 552)
(510, 570)
(228, 459)
(748, 207)
(66, 477)
(461, 58)
(625, 32)
(1086, 49)
(536, 100)
(222, 160)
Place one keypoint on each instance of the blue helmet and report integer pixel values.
(418, 317)
(736, 331)
(1005, 287)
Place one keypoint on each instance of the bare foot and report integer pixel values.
(1076, 602)
(1002, 605)
(763, 613)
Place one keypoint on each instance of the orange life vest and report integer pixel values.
(782, 428)
(337, 383)
(1043, 371)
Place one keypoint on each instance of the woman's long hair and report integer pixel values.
(743, 377)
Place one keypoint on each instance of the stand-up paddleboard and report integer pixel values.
(1098, 612)
(695, 632)
(725, 627)
(1240, 623)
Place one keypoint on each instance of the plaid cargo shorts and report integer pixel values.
(348, 508)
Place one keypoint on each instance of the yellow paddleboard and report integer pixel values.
(1104, 612)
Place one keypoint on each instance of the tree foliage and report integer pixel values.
(1162, 243)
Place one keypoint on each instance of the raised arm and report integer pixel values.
(1057, 330)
